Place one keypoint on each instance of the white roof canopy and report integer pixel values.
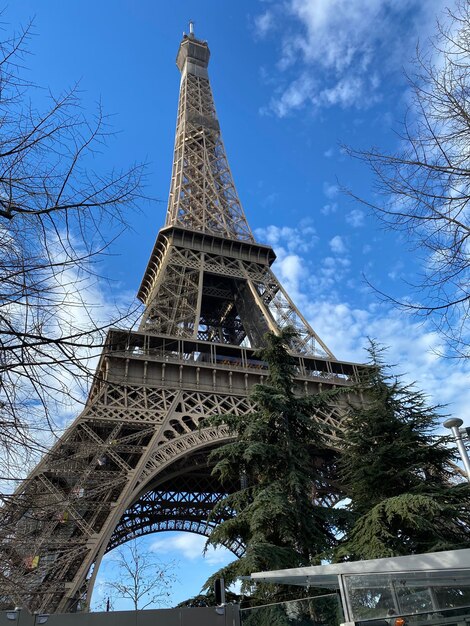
(327, 575)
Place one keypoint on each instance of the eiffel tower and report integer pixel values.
(135, 460)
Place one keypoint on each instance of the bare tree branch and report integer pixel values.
(423, 189)
(57, 218)
(140, 577)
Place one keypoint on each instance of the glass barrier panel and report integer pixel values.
(442, 617)
(374, 596)
(315, 611)
(370, 595)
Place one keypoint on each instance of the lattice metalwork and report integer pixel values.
(135, 460)
(202, 194)
(222, 298)
(182, 499)
(81, 489)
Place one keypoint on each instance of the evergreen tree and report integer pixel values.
(398, 473)
(280, 458)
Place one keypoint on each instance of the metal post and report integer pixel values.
(453, 424)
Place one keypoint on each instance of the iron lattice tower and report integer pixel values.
(135, 460)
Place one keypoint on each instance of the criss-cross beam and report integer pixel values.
(182, 499)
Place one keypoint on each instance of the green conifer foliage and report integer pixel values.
(398, 473)
(281, 461)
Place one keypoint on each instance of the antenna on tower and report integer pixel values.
(191, 28)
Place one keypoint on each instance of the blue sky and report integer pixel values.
(293, 81)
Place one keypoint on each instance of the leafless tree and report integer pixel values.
(423, 188)
(140, 577)
(58, 214)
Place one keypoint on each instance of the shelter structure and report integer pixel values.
(432, 588)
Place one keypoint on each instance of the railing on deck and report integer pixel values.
(185, 351)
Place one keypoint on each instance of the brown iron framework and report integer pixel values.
(135, 460)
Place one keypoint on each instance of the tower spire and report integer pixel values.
(207, 278)
(202, 192)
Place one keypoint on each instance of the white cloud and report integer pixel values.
(337, 52)
(290, 271)
(396, 270)
(414, 346)
(344, 93)
(337, 245)
(355, 218)
(329, 208)
(299, 239)
(330, 191)
(340, 33)
(292, 247)
(294, 96)
(264, 23)
(332, 271)
(269, 200)
(191, 547)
